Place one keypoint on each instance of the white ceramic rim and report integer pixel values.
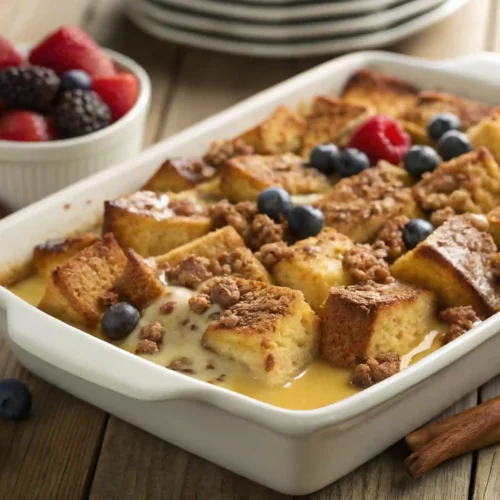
(61, 144)
(177, 386)
(369, 23)
(295, 49)
(278, 13)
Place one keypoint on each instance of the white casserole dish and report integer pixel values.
(295, 452)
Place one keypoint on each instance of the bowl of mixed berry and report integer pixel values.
(68, 108)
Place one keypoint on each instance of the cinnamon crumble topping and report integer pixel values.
(439, 217)
(167, 308)
(461, 319)
(263, 230)
(240, 215)
(225, 293)
(373, 370)
(182, 365)
(221, 150)
(366, 263)
(272, 253)
(107, 299)
(153, 331)
(391, 235)
(199, 303)
(146, 346)
(191, 271)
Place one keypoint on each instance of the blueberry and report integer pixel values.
(416, 231)
(442, 123)
(305, 221)
(325, 158)
(453, 144)
(274, 202)
(119, 320)
(76, 79)
(421, 159)
(352, 162)
(15, 399)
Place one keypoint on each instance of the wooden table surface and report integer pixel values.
(71, 450)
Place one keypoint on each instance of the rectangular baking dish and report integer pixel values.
(295, 452)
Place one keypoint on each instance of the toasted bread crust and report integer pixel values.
(244, 177)
(469, 183)
(154, 223)
(454, 261)
(180, 174)
(75, 288)
(53, 253)
(332, 120)
(282, 132)
(354, 316)
(387, 94)
(139, 285)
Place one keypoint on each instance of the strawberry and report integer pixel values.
(9, 56)
(26, 126)
(119, 92)
(71, 48)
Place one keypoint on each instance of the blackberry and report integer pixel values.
(80, 112)
(33, 88)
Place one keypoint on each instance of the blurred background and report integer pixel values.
(253, 43)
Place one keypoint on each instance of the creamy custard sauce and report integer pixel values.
(318, 385)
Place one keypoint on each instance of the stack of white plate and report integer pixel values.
(287, 28)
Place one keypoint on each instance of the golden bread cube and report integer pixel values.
(244, 177)
(281, 133)
(332, 120)
(370, 319)
(140, 283)
(360, 205)
(468, 183)
(494, 225)
(53, 253)
(487, 134)
(76, 289)
(430, 104)
(454, 261)
(179, 174)
(371, 184)
(222, 246)
(314, 266)
(154, 223)
(387, 94)
(269, 329)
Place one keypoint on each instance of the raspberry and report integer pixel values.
(9, 56)
(25, 126)
(31, 88)
(381, 138)
(80, 112)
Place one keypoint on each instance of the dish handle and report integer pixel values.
(481, 63)
(84, 356)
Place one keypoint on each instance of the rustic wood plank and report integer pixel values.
(464, 32)
(53, 454)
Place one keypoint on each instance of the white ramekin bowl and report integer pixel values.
(32, 171)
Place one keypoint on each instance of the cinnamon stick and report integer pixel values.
(421, 437)
(455, 440)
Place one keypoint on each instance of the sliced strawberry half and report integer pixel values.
(26, 126)
(381, 138)
(71, 48)
(9, 56)
(119, 92)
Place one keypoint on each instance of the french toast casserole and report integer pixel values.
(310, 257)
